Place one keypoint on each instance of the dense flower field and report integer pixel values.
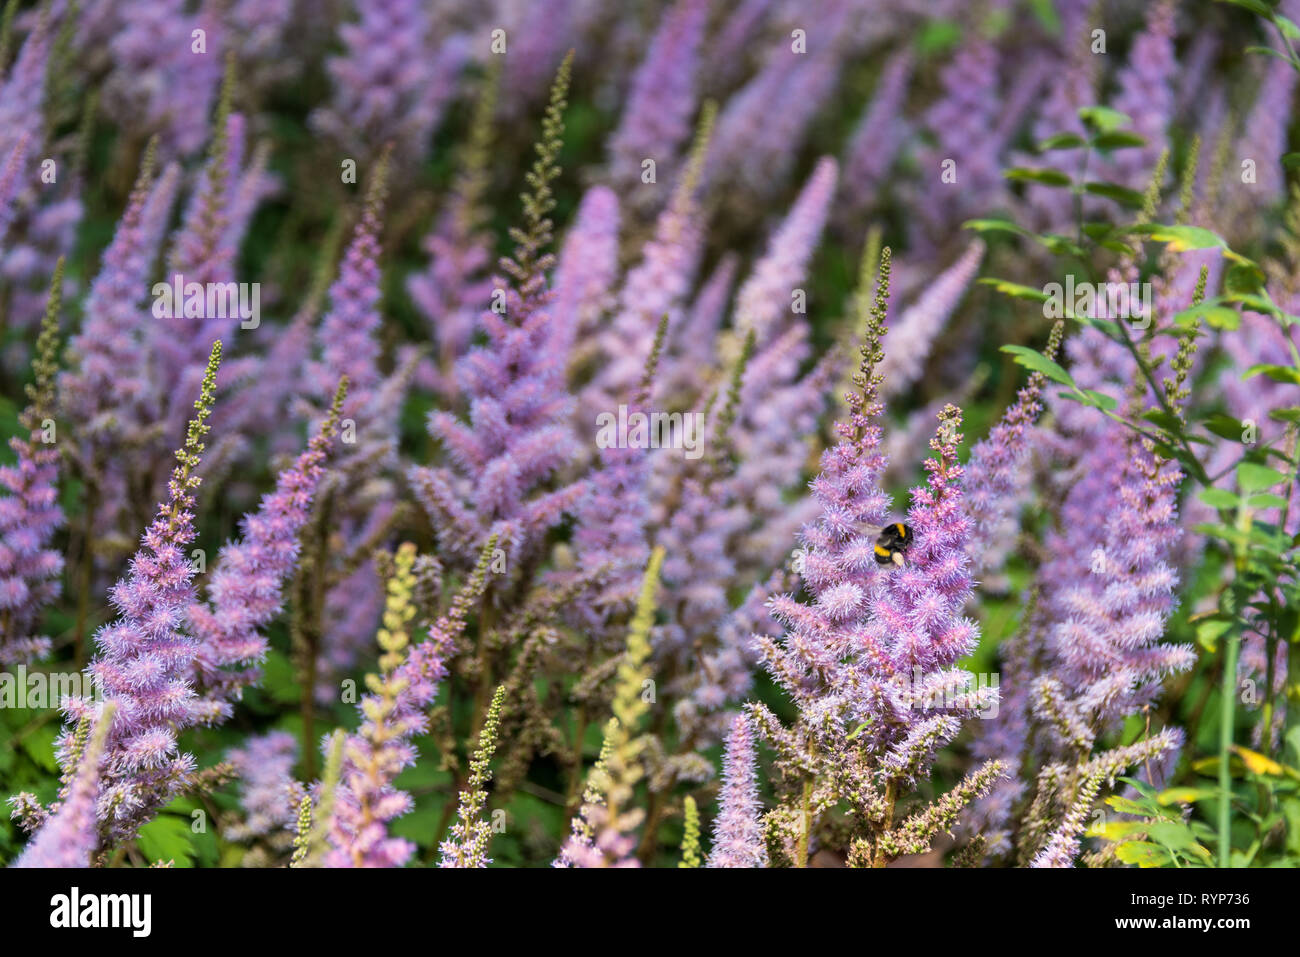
(580, 433)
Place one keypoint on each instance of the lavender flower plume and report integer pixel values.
(262, 33)
(698, 565)
(347, 336)
(145, 658)
(694, 347)
(364, 494)
(162, 78)
(1263, 139)
(70, 835)
(586, 271)
(11, 182)
(766, 296)
(603, 834)
(451, 291)
(392, 81)
(246, 586)
(921, 323)
(22, 95)
(960, 123)
(109, 389)
(381, 747)
(393, 713)
(656, 121)
(518, 435)
(265, 767)
(874, 648)
(737, 833)
(757, 129)
(772, 443)
(659, 283)
(200, 253)
(1146, 93)
(1110, 618)
(106, 373)
(879, 135)
(610, 539)
(991, 483)
(29, 514)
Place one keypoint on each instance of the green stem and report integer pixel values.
(801, 855)
(1227, 708)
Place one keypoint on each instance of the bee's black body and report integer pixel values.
(892, 543)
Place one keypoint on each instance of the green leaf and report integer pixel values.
(1291, 160)
(937, 36)
(1213, 314)
(1037, 362)
(1115, 246)
(1103, 118)
(1063, 141)
(1100, 400)
(1274, 372)
(1288, 27)
(1244, 278)
(1219, 498)
(167, 838)
(1256, 7)
(1048, 177)
(1176, 836)
(1146, 790)
(280, 678)
(1116, 830)
(1180, 239)
(1209, 632)
(1256, 478)
(1014, 289)
(1185, 795)
(994, 226)
(1225, 427)
(1165, 420)
(1061, 245)
(1267, 500)
(1118, 140)
(1144, 854)
(38, 744)
(1291, 414)
(1127, 806)
(1269, 51)
(1120, 194)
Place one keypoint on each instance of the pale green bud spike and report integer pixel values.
(690, 834)
(46, 363)
(1187, 188)
(730, 405)
(652, 362)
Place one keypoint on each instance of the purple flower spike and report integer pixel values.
(71, 836)
(737, 833)
(657, 119)
(145, 659)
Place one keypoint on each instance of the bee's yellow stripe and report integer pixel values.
(882, 551)
(902, 529)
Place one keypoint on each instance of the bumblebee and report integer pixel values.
(892, 543)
